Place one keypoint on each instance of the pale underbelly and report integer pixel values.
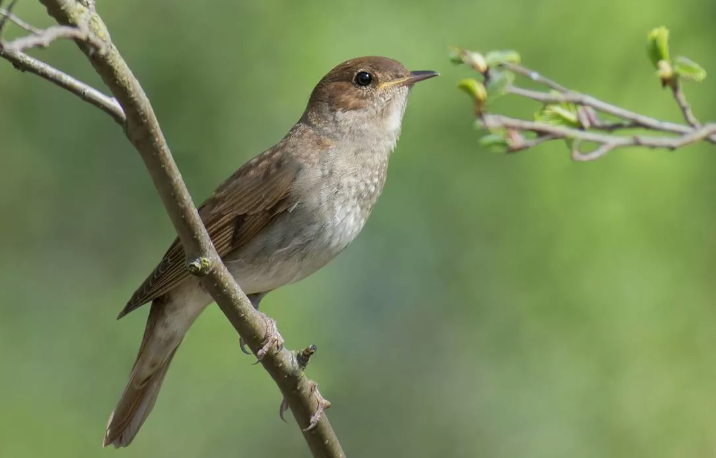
(293, 247)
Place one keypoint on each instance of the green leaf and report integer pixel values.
(689, 70)
(471, 58)
(475, 60)
(502, 57)
(657, 45)
(456, 55)
(563, 114)
(499, 82)
(473, 88)
(495, 143)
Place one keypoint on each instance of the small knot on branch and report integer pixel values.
(302, 357)
(199, 266)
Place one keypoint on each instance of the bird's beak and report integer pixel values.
(410, 80)
(420, 75)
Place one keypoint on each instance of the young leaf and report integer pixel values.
(689, 70)
(475, 60)
(657, 45)
(495, 143)
(474, 88)
(502, 57)
(456, 55)
(563, 114)
(499, 82)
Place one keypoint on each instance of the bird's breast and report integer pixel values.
(332, 204)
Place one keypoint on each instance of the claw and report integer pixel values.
(273, 338)
(282, 409)
(242, 346)
(323, 404)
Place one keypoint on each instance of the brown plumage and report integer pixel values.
(239, 208)
(279, 218)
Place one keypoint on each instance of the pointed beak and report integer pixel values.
(410, 80)
(420, 75)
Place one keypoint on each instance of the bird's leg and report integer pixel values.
(255, 301)
(302, 359)
(273, 338)
(323, 404)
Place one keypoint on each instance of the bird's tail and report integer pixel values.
(155, 354)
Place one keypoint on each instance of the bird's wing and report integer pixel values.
(242, 206)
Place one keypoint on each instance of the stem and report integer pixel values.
(613, 141)
(638, 120)
(25, 63)
(680, 98)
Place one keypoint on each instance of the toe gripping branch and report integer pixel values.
(302, 358)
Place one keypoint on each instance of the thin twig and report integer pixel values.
(608, 142)
(534, 76)
(19, 22)
(144, 132)
(498, 121)
(503, 122)
(12, 52)
(614, 126)
(577, 155)
(585, 100)
(523, 144)
(44, 38)
(588, 125)
(5, 17)
(25, 63)
(680, 98)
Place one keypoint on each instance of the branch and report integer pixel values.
(43, 39)
(40, 38)
(574, 117)
(19, 22)
(534, 76)
(608, 142)
(143, 131)
(25, 63)
(12, 52)
(684, 105)
(637, 120)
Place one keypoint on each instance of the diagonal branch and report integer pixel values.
(637, 120)
(12, 52)
(18, 22)
(144, 132)
(534, 76)
(25, 63)
(575, 117)
(43, 39)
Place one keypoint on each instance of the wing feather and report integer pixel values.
(243, 205)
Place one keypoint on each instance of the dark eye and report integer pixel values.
(363, 79)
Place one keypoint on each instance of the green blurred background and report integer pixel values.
(496, 306)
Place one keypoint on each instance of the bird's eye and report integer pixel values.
(363, 79)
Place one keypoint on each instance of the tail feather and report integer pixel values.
(134, 407)
(162, 337)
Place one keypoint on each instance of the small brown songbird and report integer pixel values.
(282, 216)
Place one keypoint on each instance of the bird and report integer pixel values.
(279, 218)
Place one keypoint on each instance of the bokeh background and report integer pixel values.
(495, 306)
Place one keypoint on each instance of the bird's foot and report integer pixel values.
(302, 358)
(282, 409)
(273, 338)
(242, 346)
(323, 404)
